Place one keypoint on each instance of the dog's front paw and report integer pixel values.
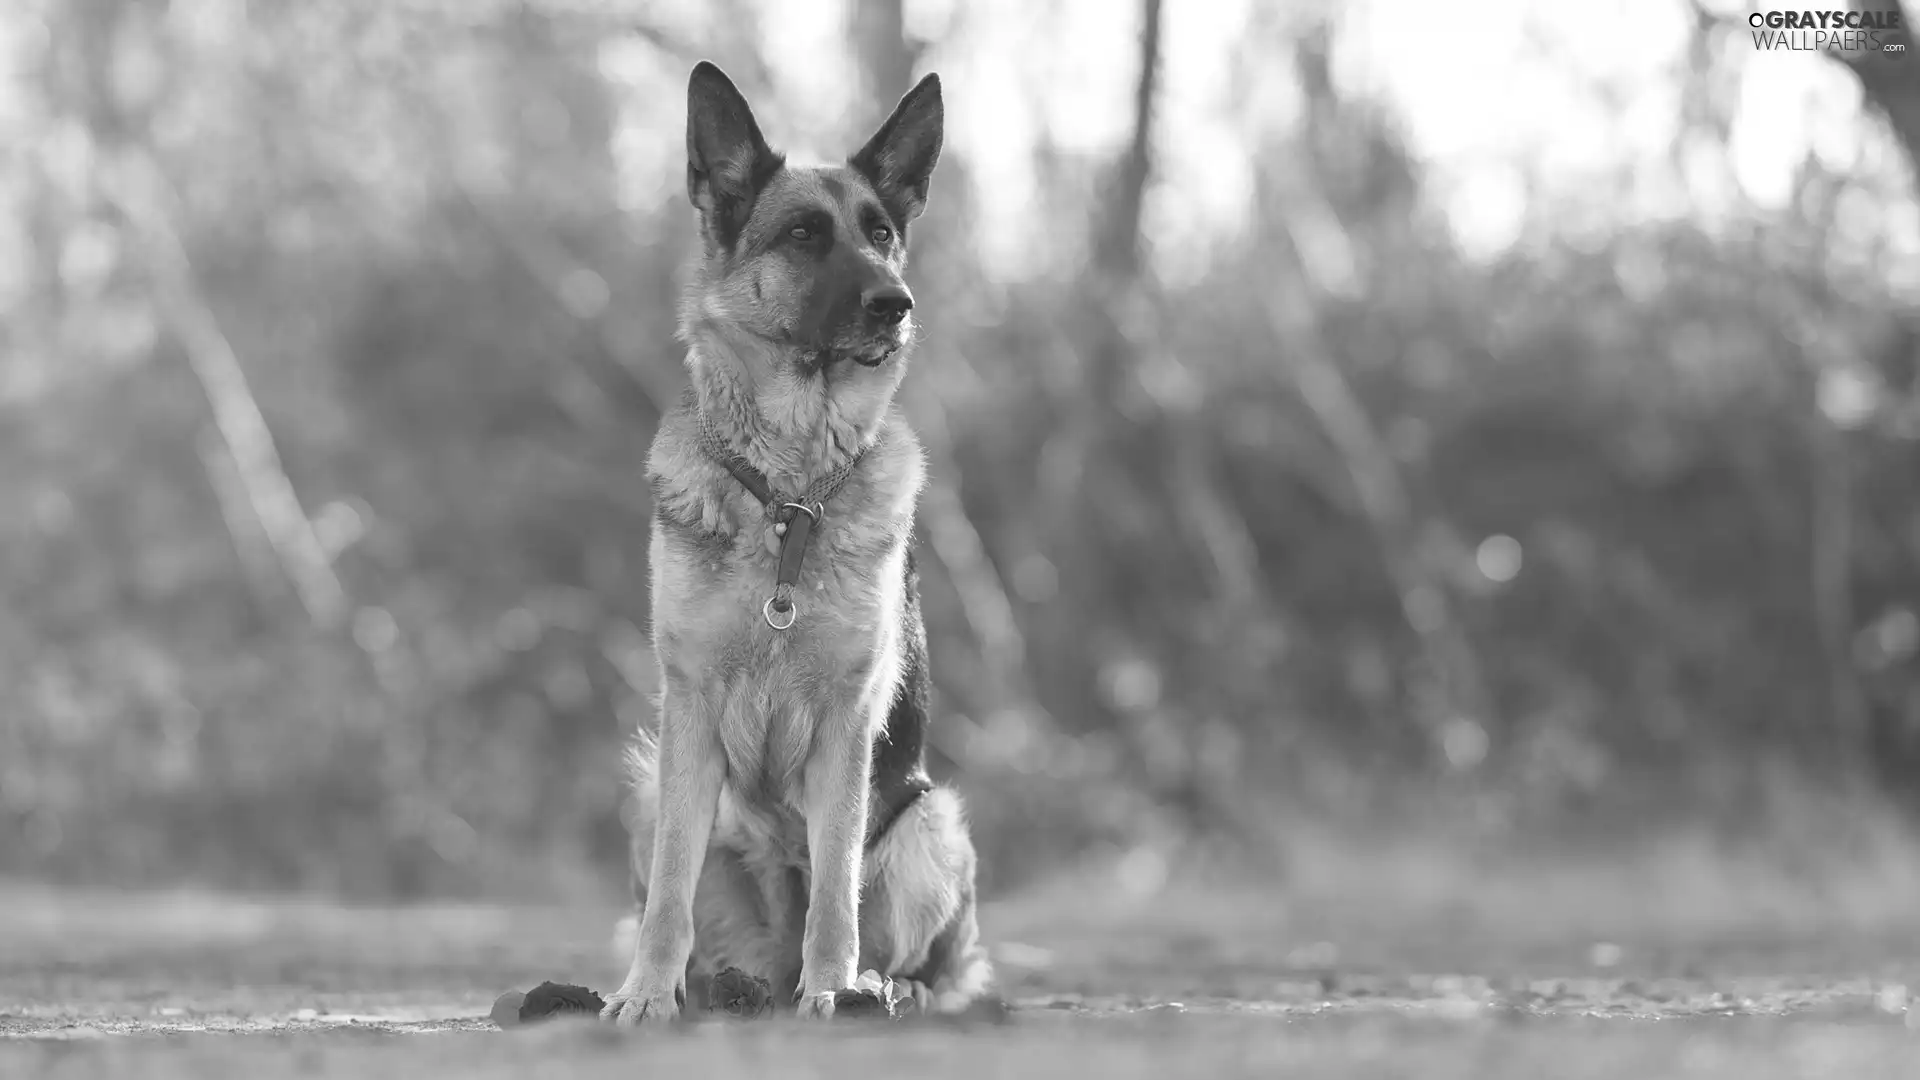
(818, 1006)
(631, 1006)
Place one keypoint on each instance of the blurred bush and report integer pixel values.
(1602, 532)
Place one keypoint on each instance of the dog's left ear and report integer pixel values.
(900, 157)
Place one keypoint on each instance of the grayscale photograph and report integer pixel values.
(959, 538)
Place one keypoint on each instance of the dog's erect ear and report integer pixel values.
(900, 157)
(728, 161)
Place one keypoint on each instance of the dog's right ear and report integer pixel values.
(728, 161)
(900, 157)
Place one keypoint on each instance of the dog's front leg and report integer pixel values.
(836, 804)
(692, 766)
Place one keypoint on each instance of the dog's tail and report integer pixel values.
(641, 764)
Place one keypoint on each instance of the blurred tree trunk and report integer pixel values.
(1891, 83)
(1830, 527)
(1204, 523)
(887, 58)
(1115, 280)
(132, 181)
(1117, 251)
(1450, 695)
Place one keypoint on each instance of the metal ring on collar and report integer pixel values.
(792, 612)
(805, 509)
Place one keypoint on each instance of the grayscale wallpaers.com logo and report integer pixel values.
(1854, 32)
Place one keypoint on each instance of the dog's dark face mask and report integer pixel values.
(811, 256)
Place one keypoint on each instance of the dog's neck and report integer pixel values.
(787, 422)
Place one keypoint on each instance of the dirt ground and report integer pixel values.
(1118, 981)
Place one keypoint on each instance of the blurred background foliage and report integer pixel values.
(336, 333)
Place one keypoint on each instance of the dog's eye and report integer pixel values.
(800, 233)
(881, 235)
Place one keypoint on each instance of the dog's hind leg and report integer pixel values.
(917, 919)
(783, 901)
(732, 929)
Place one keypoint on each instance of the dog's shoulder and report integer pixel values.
(684, 478)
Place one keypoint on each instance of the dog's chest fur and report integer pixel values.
(768, 691)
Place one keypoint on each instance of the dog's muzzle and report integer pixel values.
(887, 304)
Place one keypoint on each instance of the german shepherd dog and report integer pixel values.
(782, 820)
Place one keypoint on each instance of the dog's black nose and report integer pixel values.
(888, 303)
